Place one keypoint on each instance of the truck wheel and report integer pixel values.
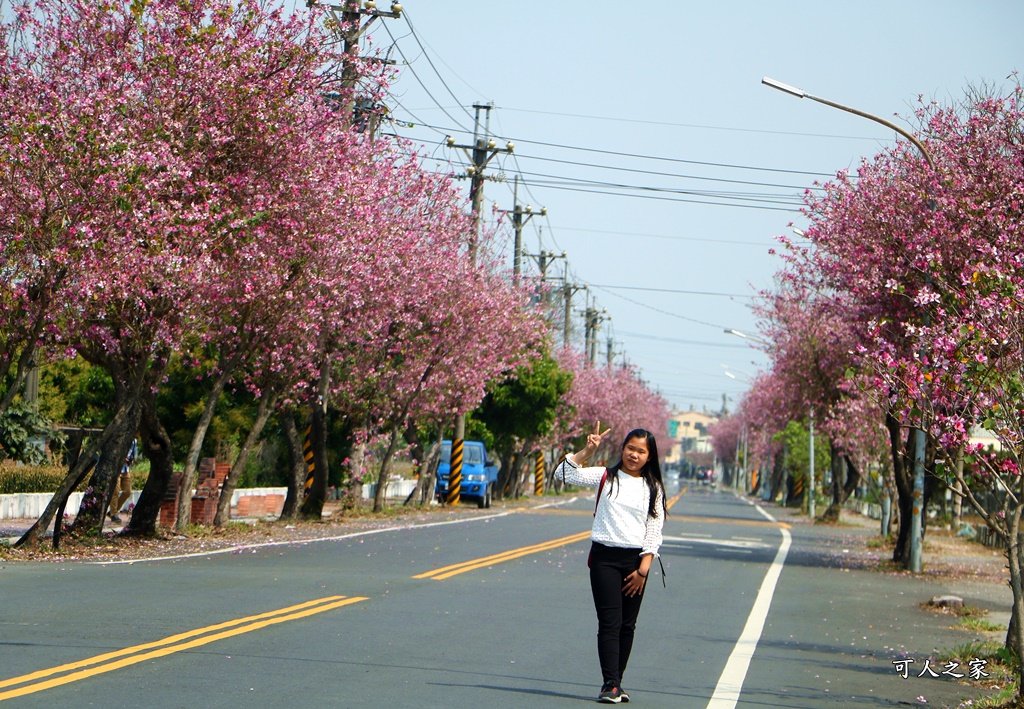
(484, 500)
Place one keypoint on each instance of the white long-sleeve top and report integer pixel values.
(621, 519)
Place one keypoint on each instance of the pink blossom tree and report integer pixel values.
(814, 358)
(929, 259)
(190, 126)
(616, 397)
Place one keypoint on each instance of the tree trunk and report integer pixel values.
(188, 479)
(845, 479)
(33, 534)
(156, 443)
(526, 466)
(431, 474)
(425, 473)
(93, 510)
(263, 411)
(1015, 556)
(903, 475)
(385, 470)
(297, 479)
(507, 490)
(27, 357)
(356, 463)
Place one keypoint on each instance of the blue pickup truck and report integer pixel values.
(479, 473)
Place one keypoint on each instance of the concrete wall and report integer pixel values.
(395, 488)
(31, 505)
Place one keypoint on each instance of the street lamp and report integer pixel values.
(800, 93)
(745, 336)
(919, 439)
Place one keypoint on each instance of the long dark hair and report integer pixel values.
(651, 472)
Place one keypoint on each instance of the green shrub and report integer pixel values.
(16, 479)
(30, 478)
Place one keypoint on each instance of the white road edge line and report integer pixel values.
(296, 542)
(730, 683)
(242, 547)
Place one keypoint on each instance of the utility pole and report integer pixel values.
(543, 260)
(518, 222)
(568, 290)
(480, 154)
(810, 471)
(348, 24)
(592, 319)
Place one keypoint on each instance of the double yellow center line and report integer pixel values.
(455, 569)
(108, 662)
(117, 659)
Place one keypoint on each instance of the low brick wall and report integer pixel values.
(259, 506)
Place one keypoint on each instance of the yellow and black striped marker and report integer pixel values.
(307, 454)
(538, 475)
(455, 473)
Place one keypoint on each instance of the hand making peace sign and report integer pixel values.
(595, 439)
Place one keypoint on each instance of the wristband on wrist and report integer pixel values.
(641, 575)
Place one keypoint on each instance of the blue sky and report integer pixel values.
(666, 98)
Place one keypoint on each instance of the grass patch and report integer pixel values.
(968, 612)
(880, 543)
(997, 661)
(980, 625)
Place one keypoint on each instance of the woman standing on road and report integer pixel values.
(624, 541)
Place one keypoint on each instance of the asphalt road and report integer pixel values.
(492, 612)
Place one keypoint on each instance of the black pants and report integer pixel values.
(616, 612)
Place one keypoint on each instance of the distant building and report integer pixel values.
(688, 431)
(986, 438)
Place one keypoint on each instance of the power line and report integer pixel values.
(663, 236)
(418, 121)
(664, 174)
(682, 292)
(678, 341)
(752, 196)
(670, 199)
(564, 181)
(394, 43)
(567, 188)
(426, 55)
(691, 125)
(573, 185)
(658, 310)
(660, 158)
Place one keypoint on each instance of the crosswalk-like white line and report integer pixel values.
(728, 543)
